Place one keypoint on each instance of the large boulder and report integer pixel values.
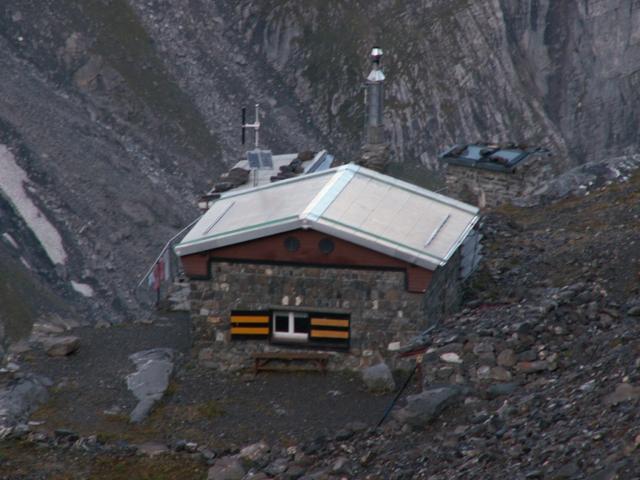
(227, 468)
(149, 382)
(378, 378)
(20, 397)
(255, 455)
(426, 406)
(60, 346)
(624, 392)
(153, 449)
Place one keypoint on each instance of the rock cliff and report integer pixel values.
(120, 111)
(555, 73)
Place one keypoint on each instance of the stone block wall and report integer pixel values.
(445, 290)
(487, 188)
(382, 311)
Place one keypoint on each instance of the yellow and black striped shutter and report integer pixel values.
(330, 330)
(249, 325)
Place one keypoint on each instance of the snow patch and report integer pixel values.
(13, 181)
(25, 263)
(82, 288)
(9, 239)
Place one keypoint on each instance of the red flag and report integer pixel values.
(158, 274)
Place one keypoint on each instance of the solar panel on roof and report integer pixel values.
(510, 157)
(321, 163)
(260, 159)
(254, 159)
(473, 152)
(266, 159)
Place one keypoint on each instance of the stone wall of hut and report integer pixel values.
(383, 314)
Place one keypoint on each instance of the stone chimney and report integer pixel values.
(375, 150)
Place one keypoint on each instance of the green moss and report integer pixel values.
(17, 311)
(24, 460)
(22, 298)
(484, 286)
(416, 175)
(332, 45)
(172, 388)
(166, 467)
(210, 409)
(126, 46)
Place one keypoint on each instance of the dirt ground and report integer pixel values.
(223, 411)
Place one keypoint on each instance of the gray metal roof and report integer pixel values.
(349, 202)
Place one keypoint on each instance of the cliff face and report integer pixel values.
(582, 60)
(120, 111)
(562, 74)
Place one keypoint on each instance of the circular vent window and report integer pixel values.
(292, 244)
(326, 246)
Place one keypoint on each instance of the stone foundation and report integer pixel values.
(375, 156)
(382, 312)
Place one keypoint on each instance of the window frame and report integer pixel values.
(290, 336)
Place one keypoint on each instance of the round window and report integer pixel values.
(326, 246)
(292, 244)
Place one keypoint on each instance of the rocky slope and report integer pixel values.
(537, 378)
(119, 112)
(537, 373)
(113, 145)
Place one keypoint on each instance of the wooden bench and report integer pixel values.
(262, 360)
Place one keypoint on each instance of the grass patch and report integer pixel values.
(483, 285)
(22, 460)
(107, 437)
(172, 388)
(22, 298)
(210, 410)
(121, 39)
(51, 413)
(166, 467)
(417, 175)
(166, 421)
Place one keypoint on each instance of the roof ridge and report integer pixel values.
(327, 194)
(267, 186)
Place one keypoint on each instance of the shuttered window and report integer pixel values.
(313, 329)
(249, 325)
(330, 330)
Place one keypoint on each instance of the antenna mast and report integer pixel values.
(255, 125)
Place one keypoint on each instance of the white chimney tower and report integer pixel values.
(374, 100)
(375, 151)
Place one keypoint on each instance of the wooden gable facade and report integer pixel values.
(306, 247)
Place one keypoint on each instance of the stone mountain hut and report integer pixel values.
(344, 260)
(488, 175)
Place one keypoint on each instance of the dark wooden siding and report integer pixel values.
(272, 249)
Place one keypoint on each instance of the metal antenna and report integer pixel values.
(244, 121)
(255, 125)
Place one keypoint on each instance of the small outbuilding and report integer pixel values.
(346, 260)
(488, 175)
